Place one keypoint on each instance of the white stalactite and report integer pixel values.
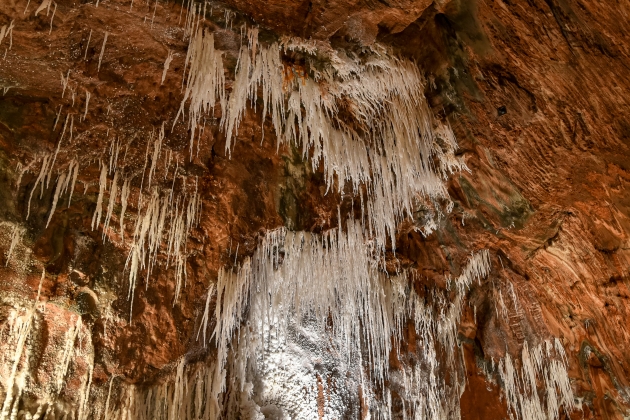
(75, 173)
(64, 83)
(124, 196)
(392, 156)
(167, 64)
(60, 182)
(110, 207)
(7, 31)
(52, 18)
(100, 57)
(102, 185)
(205, 84)
(45, 4)
(16, 234)
(87, 102)
(40, 178)
(87, 47)
(157, 148)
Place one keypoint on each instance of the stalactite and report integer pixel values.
(74, 168)
(385, 97)
(546, 364)
(124, 196)
(109, 394)
(167, 64)
(64, 82)
(49, 175)
(100, 57)
(87, 47)
(154, 10)
(157, 148)
(102, 184)
(87, 102)
(206, 315)
(40, 178)
(21, 326)
(71, 127)
(57, 117)
(146, 158)
(84, 395)
(52, 18)
(205, 84)
(326, 280)
(68, 353)
(110, 207)
(45, 4)
(16, 234)
(7, 31)
(60, 182)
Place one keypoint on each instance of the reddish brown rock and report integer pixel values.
(536, 92)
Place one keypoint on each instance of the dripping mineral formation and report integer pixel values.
(314, 210)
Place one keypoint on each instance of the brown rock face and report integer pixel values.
(536, 93)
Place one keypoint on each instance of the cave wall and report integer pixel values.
(534, 91)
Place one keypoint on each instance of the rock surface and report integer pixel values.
(537, 95)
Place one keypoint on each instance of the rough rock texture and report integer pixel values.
(536, 92)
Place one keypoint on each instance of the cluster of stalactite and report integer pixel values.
(304, 306)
